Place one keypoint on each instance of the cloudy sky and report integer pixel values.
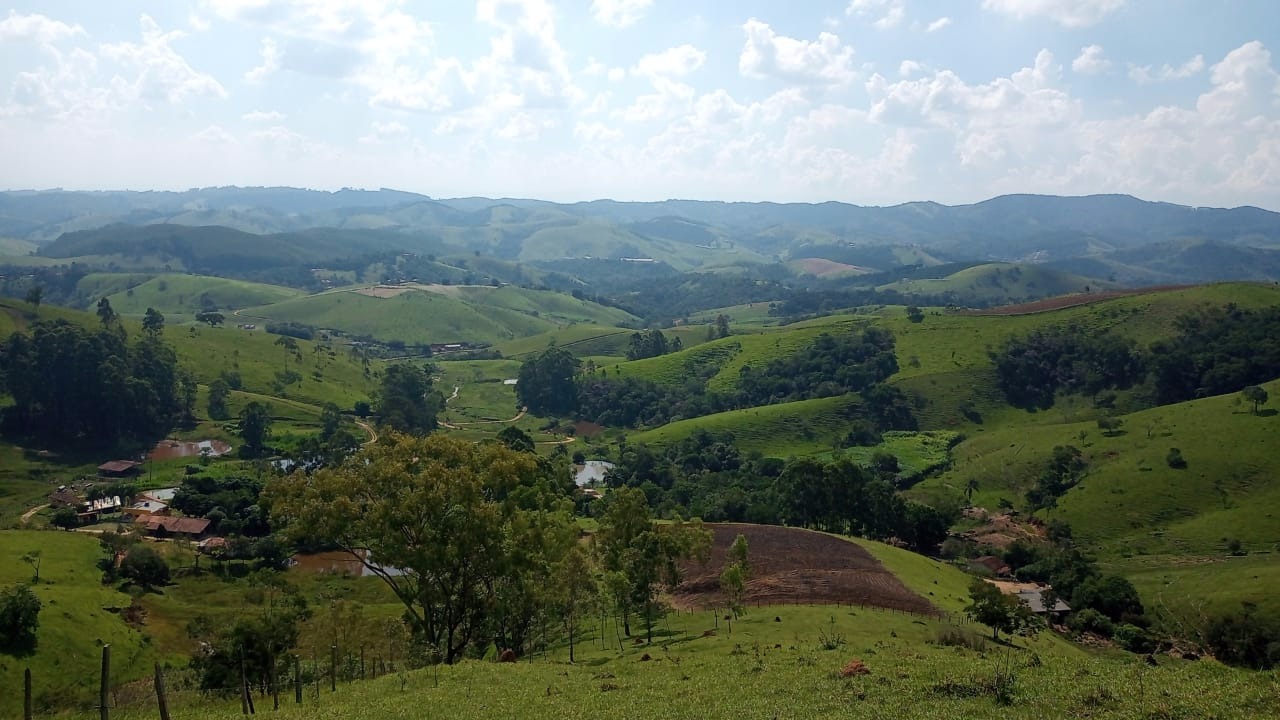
(863, 101)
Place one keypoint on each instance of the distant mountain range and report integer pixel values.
(1114, 237)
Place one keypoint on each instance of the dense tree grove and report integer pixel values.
(1214, 351)
(856, 362)
(706, 476)
(406, 400)
(651, 343)
(72, 383)
(231, 502)
(546, 384)
(1217, 351)
(1032, 369)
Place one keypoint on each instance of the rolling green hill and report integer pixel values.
(440, 314)
(783, 430)
(179, 295)
(998, 283)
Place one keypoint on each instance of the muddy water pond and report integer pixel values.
(171, 449)
(336, 562)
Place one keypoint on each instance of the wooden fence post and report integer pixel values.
(333, 668)
(26, 695)
(362, 662)
(104, 684)
(161, 700)
(297, 680)
(244, 689)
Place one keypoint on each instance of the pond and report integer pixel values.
(171, 449)
(335, 562)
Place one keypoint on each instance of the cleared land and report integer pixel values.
(795, 566)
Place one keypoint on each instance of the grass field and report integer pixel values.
(999, 283)
(451, 314)
(179, 297)
(78, 616)
(783, 430)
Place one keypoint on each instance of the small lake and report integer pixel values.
(171, 449)
(591, 472)
(335, 562)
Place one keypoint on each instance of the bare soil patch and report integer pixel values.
(1066, 301)
(383, 291)
(821, 267)
(791, 566)
(1000, 530)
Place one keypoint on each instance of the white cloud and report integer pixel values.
(1090, 61)
(36, 28)
(987, 123)
(263, 116)
(270, 62)
(674, 61)
(1068, 13)
(1145, 74)
(769, 55)
(163, 74)
(597, 133)
(381, 132)
(198, 22)
(907, 68)
(938, 24)
(214, 135)
(886, 13)
(619, 13)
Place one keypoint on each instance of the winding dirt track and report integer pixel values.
(790, 566)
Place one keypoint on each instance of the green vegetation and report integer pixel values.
(998, 284)
(178, 295)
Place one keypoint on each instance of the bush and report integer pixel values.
(1090, 620)
(1133, 638)
(1175, 459)
(145, 567)
(19, 619)
(1245, 638)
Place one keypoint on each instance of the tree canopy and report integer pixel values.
(546, 383)
(406, 401)
(466, 535)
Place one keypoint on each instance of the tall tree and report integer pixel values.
(219, 391)
(1257, 395)
(290, 347)
(34, 296)
(106, 315)
(546, 383)
(406, 401)
(153, 322)
(998, 611)
(255, 428)
(448, 525)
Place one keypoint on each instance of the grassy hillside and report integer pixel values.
(998, 283)
(782, 430)
(772, 665)
(178, 296)
(1131, 502)
(78, 616)
(440, 314)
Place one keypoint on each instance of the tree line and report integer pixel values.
(69, 382)
(1213, 351)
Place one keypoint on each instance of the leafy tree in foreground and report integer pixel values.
(640, 557)
(733, 581)
(34, 296)
(467, 536)
(19, 619)
(34, 558)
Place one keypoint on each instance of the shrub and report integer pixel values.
(1133, 638)
(145, 567)
(1175, 459)
(19, 619)
(1090, 620)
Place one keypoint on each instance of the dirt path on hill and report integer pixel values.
(373, 434)
(26, 516)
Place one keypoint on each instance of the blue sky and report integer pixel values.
(863, 101)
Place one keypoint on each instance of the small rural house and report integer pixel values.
(147, 507)
(167, 526)
(1034, 599)
(120, 469)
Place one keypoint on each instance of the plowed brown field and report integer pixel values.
(794, 566)
(1066, 301)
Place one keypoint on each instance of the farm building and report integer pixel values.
(1034, 599)
(167, 526)
(145, 507)
(120, 468)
